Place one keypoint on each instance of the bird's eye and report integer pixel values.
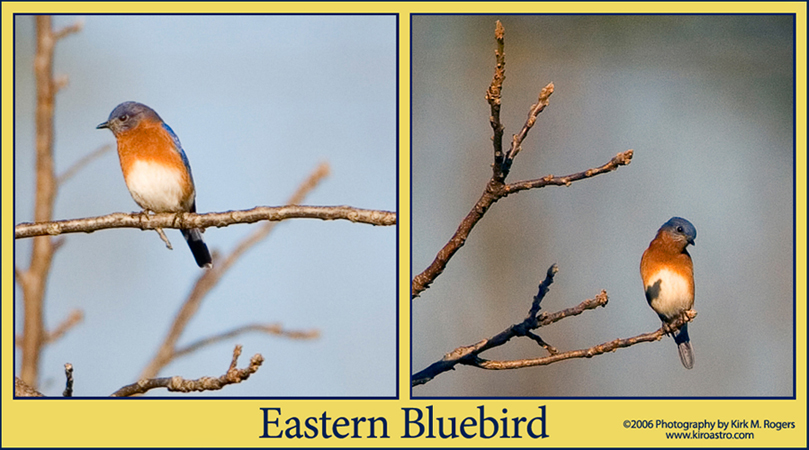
(679, 229)
(123, 117)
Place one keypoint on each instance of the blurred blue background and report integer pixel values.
(707, 104)
(258, 102)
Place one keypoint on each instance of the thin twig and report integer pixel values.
(209, 278)
(621, 159)
(192, 220)
(74, 318)
(469, 355)
(494, 192)
(68, 30)
(179, 384)
(531, 322)
(496, 187)
(493, 96)
(58, 243)
(275, 329)
(516, 140)
(19, 275)
(81, 163)
(164, 238)
(599, 349)
(543, 289)
(68, 392)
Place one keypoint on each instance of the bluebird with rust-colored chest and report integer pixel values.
(155, 168)
(668, 278)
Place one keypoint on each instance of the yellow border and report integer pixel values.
(238, 423)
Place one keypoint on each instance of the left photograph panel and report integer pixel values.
(205, 206)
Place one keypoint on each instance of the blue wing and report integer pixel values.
(179, 148)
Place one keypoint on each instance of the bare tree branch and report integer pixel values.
(494, 192)
(74, 318)
(275, 329)
(19, 275)
(164, 238)
(470, 355)
(516, 140)
(321, 172)
(58, 242)
(179, 384)
(496, 187)
(34, 282)
(192, 220)
(68, 392)
(621, 159)
(80, 164)
(493, 96)
(68, 30)
(22, 389)
(543, 289)
(532, 321)
(209, 278)
(599, 349)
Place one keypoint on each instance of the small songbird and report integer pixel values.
(156, 170)
(668, 278)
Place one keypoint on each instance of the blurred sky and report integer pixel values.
(706, 102)
(258, 102)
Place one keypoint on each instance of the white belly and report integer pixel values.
(156, 188)
(675, 294)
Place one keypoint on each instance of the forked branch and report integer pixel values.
(496, 188)
(179, 384)
(470, 355)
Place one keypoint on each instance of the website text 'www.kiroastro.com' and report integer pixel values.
(706, 429)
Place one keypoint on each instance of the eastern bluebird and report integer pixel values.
(668, 278)
(156, 170)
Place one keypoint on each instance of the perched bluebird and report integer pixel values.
(156, 170)
(668, 278)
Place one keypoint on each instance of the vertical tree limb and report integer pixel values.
(34, 281)
(493, 96)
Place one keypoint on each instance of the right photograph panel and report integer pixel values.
(603, 206)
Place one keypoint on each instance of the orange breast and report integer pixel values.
(150, 142)
(154, 172)
(669, 272)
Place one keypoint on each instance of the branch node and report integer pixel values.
(68, 30)
(60, 82)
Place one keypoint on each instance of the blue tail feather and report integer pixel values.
(684, 346)
(198, 247)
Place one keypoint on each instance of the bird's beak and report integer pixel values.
(103, 125)
(691, 241)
